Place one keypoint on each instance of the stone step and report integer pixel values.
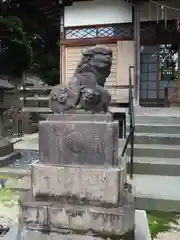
(160, 193)
(157, 110)
(157, 128)
(148, 119)
(157, 166)
(155, 150)
(157, 138)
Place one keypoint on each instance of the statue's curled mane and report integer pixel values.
(86, 87)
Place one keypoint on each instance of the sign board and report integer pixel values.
(167, 74)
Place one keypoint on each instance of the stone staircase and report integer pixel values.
(157, 159)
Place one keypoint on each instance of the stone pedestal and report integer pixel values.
(79, 139)
(78, 189)
(141, 232)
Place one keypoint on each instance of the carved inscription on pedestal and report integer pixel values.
(101, 185)
(78, 142)
(75, 141)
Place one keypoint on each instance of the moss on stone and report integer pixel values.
(161, 222)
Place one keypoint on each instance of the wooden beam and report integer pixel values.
(136, 21)
(136, 1)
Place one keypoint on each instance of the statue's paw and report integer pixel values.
(57, 107)
(63, 98)
(59, 94)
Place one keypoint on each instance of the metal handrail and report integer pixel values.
(130, 138)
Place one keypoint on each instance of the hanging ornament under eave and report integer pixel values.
(162, 12)
(157, 13)
(178, 22)
(165, 17)
(178, 26)
(150, 12)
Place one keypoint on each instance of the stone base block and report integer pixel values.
(78, 142)
(78, 218)
(38, 235)
(81, 116)
(100, 185)
(141, 232)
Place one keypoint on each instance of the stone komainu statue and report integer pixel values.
(86, 87)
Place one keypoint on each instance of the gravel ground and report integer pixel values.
(8, 214)
(173, 234)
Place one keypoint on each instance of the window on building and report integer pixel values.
(115, 30)
(159, 67)
(148, 73)
(80, 33)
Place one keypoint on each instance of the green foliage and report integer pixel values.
(27, 44)
(49, 66)
(161, 222)
(8, 196)
(15, 47)
(45, 61)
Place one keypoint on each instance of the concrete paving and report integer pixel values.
(157, 192)
(28, 142)
(160, 111)
(171, 235)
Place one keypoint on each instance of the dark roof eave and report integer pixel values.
(136, 1)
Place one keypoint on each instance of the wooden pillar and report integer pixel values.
(136, 20)
(178, 80)
(62, 36)
(1, 124)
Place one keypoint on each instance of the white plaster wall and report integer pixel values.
(98, 12)
(125, 59)
(152, 12)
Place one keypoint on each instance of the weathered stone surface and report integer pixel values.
(141, 232)
(38, 235)
(72, 142)
(80, 116)
(86, 87)
(100, 220)
(98, 184)
(36, 215)
(78, 191)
